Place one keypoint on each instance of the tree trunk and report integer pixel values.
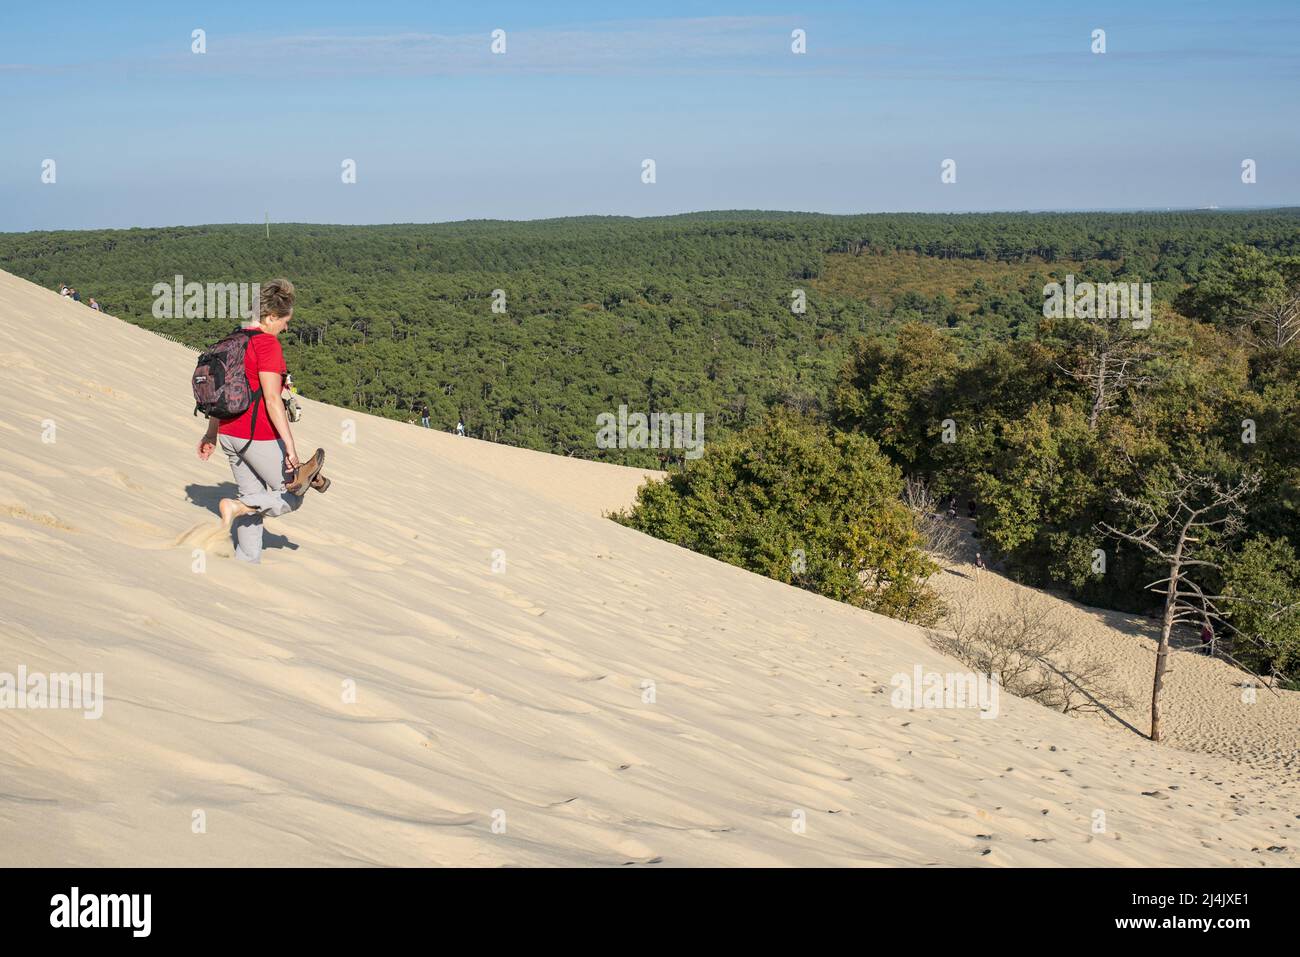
(1099, 398)
(1162, 649)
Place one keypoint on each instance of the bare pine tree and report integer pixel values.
(1177, 530)
(1110, 358)
(943, 535)
(1275, 323)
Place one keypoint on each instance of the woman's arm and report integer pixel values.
(271, 383)
(209, 440)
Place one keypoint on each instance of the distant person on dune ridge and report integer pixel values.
(259, 443)
(94, 305)
(424, 417)
(64, 290)
(289, 396)
(76, 296)
(460, 428)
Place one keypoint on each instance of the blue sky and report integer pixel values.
(145, 132)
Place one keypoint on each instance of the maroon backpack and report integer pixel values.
(220, 382)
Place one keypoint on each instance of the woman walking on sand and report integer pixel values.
(259, 443)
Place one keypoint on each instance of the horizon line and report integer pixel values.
(1045, 211)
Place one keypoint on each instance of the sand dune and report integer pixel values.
(1205, 704)
(604, 699)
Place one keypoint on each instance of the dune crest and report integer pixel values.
(451, 658)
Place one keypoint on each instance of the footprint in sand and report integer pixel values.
(120, 479)
(101, 389)
(321, 568)
(518, 601)
(566, 669)
(380, 560)
(42, 518)
(16, 360)
(378, 554)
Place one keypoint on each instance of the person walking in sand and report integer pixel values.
(289, 396)
(259, 444)
(424, 417)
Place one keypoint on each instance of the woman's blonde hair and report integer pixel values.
(276, 299)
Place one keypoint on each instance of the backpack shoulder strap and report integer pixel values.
(252, 423)
(256, 394)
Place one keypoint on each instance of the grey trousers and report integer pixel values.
(259, 473)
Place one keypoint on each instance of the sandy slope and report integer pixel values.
(519, 693)
(1204, 706)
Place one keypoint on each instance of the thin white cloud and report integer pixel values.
(757, 46)
(617, 46)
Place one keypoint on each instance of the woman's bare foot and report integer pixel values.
(231, 509)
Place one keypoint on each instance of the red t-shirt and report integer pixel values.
(262, 355)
